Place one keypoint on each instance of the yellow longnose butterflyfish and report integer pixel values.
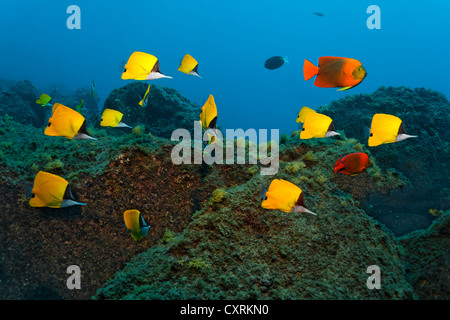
(112, 118)
(284, 196)
(315, 125)
(52, 191)
(66, 122)
(208, 118)
(386, 128)
(135, 224)
(142, 66)
(189, 66)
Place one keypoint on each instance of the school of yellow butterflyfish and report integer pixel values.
(52, 191)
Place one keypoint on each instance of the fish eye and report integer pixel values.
(265, 198)
(371, 134)
(303, 129)
(33, 195)
(49, 124)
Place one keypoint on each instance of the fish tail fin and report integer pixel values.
(309, 70)
(264, 190)
(27, 190)
(286, 59)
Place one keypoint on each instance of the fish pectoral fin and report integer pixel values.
(344, 88)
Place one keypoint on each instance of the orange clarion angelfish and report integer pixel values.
(335, 72)
(352, 164)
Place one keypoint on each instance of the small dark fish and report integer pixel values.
(275, 62)
(319, 14)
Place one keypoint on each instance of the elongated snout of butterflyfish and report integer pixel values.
(66, 122)
(51, 191)
(189, 66)
(142, 66)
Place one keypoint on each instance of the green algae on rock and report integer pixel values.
(209, 236)
(422, 160)
(246, 252)
(427, 254)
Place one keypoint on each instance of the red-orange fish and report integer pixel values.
(352, 164)
(335, 72)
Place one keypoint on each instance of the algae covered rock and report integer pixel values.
(427, 253)
(19, 102)
(422, 160)
(166, 111)
(424, 113)
(235, 249)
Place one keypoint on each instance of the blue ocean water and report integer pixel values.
(231, 41)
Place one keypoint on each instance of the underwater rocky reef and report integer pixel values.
(166, 111)
(209, 237)
(422, 160)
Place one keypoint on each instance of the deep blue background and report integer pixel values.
(230, 40)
